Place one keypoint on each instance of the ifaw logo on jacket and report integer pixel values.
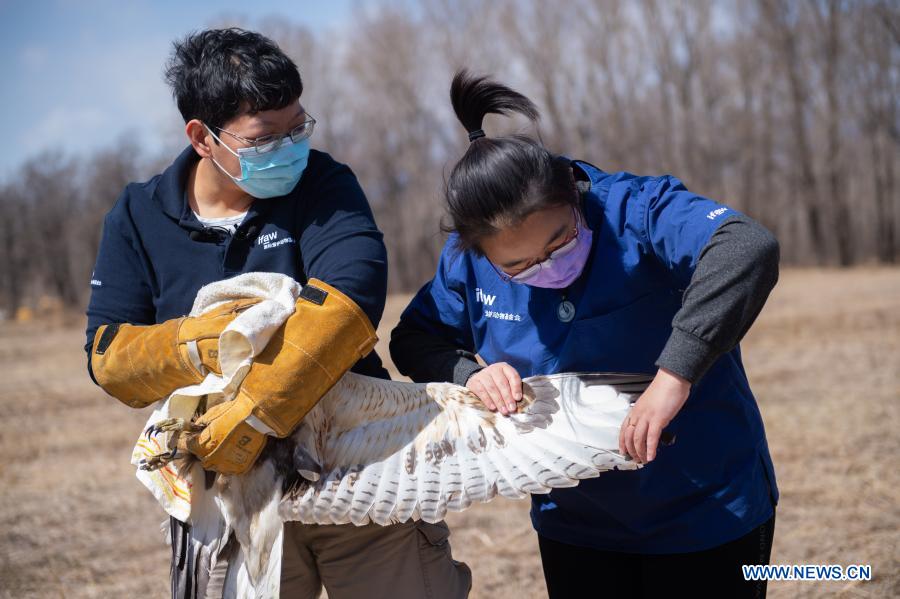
(486, 299)
(271, 240)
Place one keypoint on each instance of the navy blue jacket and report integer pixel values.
(149, 267)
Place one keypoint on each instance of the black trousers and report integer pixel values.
(572, 571)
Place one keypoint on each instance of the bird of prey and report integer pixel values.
(384, 451)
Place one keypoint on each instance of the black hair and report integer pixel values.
(499, 181)
(218, 74)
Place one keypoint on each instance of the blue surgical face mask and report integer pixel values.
(272, 174)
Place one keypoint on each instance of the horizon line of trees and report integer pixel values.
(786, 111)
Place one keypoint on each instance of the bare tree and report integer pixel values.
(14, 251)
(786, 110)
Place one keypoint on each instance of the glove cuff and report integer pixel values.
(324, 337)
(138, 364)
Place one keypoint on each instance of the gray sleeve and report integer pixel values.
(735, 272)
(424, 357)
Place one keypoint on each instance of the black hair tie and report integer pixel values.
(473, 135)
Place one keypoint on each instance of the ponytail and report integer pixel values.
(474, 97)
(499, 181)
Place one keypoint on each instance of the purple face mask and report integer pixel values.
(563, 266)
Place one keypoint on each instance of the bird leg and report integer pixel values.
(172, 425)
(160, 460)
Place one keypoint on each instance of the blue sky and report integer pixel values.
(81, 73)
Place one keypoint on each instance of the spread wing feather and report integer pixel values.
(389, 451)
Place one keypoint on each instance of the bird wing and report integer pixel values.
(387, 451)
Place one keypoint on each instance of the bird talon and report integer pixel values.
(170, 425)
(160, 460)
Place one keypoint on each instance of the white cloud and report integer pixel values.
(105, 95)
(65, 126)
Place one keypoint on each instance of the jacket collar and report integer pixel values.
(171, 192)
(585, 171)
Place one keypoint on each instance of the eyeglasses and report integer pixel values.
(267, 143)
(564, 247)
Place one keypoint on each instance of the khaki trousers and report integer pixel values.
(410, 560)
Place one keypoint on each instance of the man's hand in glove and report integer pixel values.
(140, 364)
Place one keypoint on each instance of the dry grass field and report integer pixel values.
(823, 360)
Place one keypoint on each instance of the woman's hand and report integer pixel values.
(498, 386)
(654, 409)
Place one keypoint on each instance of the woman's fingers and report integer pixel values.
(498, 386)
(629, 443)
(653, 434)
(640, 439)
(629, 436)
(502, 380)
(493, 392)
(635, 434)
(640, 434)
(515, 382)
(477, 387)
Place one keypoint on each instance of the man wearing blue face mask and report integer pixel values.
(248, 194)
(271, 165)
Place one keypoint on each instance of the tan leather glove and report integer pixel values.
(227, 444)
(325, 336)
(140, 364)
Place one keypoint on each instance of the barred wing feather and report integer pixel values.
(386, 451)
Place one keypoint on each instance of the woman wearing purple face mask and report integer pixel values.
(554, 265)
(564, 263)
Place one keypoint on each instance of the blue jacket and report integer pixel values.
(717, 482)
(149, 265)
